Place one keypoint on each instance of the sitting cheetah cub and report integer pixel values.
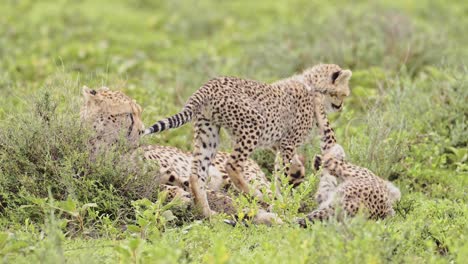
(346, 185)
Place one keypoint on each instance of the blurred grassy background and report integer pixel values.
(159, 52)
(406, 119)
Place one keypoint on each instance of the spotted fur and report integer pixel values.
(277, 116)
(345, 185)
(112, 114)
(175, 166)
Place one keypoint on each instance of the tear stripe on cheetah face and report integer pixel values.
(333, 95)
(257, 115)
(174, 164)
(355, 187)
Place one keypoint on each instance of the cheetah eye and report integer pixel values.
(335, 76)
(93, 92)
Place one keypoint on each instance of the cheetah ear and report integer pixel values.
(137, 107)
(335, 76)
(88, 93)
(344, 76)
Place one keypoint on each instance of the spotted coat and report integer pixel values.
(256, 115)
(112, 114)
(345, 185)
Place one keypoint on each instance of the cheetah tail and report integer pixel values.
(192, 106)
(174, 121)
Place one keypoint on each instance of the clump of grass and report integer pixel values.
(47, 147)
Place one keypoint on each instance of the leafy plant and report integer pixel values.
(151, 218)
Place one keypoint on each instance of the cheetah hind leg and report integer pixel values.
(235, 169)
(325, 212)
(206, 142)
(319, 214)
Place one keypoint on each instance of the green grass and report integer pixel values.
(406, 120)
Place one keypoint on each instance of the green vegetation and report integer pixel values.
(406, 120)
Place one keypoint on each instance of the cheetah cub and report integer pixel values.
(175, 166)
(346, 185)
(277, 116)
(113, 115)
(174, 177)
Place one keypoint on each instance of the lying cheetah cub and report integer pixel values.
(174, 177)
(345, 185)
(277, 115)
(175, 166)
(112, 115)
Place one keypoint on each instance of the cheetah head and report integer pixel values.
(331, 81)
(336, 152)
(111, 113)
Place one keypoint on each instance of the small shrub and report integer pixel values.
(47, 147)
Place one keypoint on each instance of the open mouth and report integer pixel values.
(337, 106)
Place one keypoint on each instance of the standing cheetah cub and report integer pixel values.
(277, 116)
(345, 185)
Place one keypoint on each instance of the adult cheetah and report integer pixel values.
(277, 116)
(345, 185)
